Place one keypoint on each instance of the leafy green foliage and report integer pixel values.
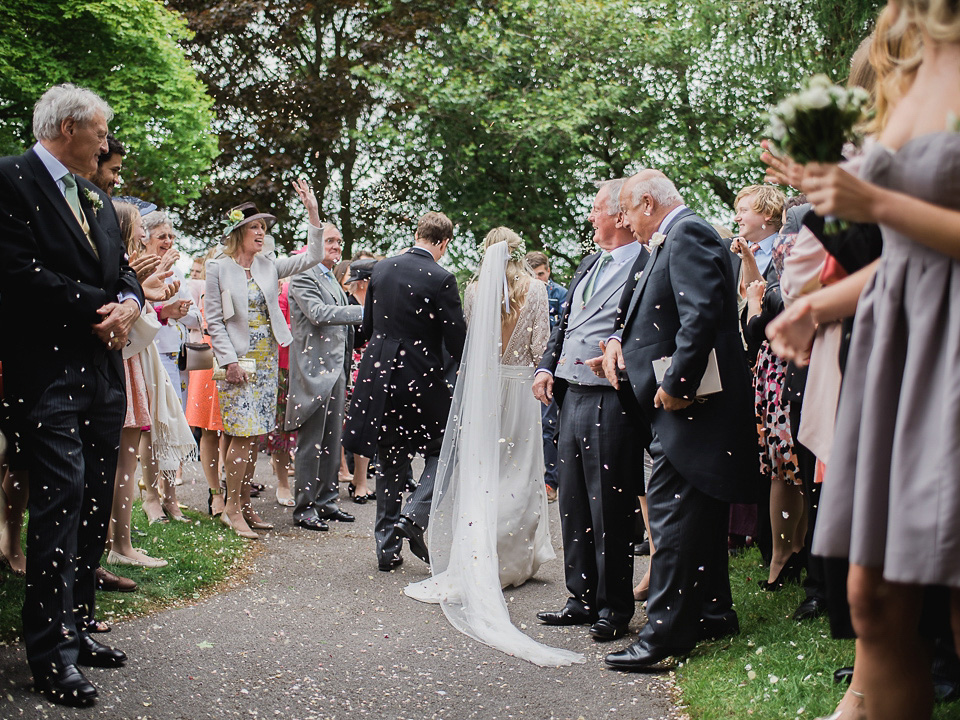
(125, 50)
(291, 100)
(524, 104)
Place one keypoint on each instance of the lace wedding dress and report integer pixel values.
(488, 522)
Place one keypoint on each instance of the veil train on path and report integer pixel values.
(463, 519)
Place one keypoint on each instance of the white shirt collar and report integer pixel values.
(669, 218)
(625, 253)
(56, 168)
(417, 248)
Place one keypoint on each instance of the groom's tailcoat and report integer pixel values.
(684, 305)
(412, 311)
(64, 390)
(705, 456)
(412, 314)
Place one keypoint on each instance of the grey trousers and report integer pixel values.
(395, 457)
(316, 481)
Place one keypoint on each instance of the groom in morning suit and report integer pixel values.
(67, 301)
(320, 358)
(597, 449)
(401, 400)
(704, 450)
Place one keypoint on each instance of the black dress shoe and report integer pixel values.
(718, 628)
(638, 657)
(810, 608)
(642, 548)
(843, 675)
(94, 654)
(605, 630)
(567, 616)
(388, 566)
(412, 532)
(65, 686)
(340, 516)
(312, 524)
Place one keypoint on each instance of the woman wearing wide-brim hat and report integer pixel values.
(245, 321)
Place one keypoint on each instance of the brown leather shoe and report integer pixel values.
(108, 582)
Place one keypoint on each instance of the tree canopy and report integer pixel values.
(127, 51)
(494, 111)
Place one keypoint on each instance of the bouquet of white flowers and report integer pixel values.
(814, 124)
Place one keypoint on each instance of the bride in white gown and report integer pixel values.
(489, 526)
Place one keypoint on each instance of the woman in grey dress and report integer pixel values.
(891, 500)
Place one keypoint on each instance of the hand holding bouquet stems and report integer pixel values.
(812, 127)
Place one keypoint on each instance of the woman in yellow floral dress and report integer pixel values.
(245, 323)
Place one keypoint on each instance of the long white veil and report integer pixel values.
(463, 517)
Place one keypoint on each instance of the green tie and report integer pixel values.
(594, 278)
(73, 200)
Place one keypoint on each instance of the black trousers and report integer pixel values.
(689, 576)
(600, 471)
(71, 439)
(395, 452)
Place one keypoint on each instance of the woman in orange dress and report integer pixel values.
(203, 406)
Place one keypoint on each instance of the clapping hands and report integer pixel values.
(144, 266)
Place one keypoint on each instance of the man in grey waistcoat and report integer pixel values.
(597, 446)
(322, 323)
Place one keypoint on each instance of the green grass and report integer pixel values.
(776, 667)
(202, 556)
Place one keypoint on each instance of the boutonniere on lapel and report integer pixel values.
(657, 240)
(95, 202)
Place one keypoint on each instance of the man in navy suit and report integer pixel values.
(67, 302)
(704, 449)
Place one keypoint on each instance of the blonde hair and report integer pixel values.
(232, 241)
(767, 201)
(518, 271)
(202, 259)
(127, 213)
(894, 56)
(939, 18)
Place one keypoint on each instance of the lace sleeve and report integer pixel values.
(469, 294)
(540, 321)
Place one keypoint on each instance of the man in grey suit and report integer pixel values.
(322, 323)
(597, 448)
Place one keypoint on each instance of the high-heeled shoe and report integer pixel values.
(161, 518)
(790, 572)
(211, 493)
(258, 524)
(285, 501)
(180, 517)
(8, 566)
(245, 534)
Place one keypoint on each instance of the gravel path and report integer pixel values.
(316, 631)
